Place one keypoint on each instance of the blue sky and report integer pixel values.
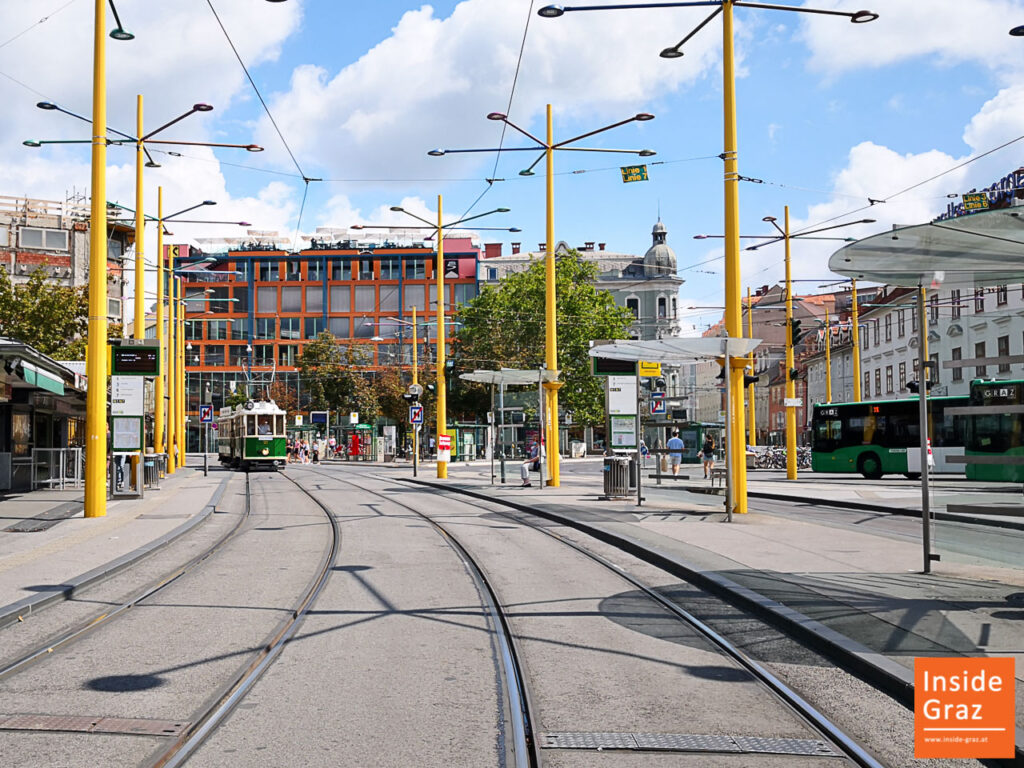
(829, 114)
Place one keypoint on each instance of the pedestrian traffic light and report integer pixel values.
(915, 387)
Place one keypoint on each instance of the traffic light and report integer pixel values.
(658, 384)
(748, 379)
(915, 387)
(795, 332)
(410, 398)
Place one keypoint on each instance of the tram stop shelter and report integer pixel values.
(684, 351)
(515, 377)
(985, 248)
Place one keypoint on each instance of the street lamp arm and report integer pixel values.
(504, 118)
(50, 106)
(470, 218)
(642, 117)
(675, 52)
(551, 11)
(487, 149)
(835, 226)
(644, 152)
(195, 108)
(248, 147)
(857, 17)
(400, 209)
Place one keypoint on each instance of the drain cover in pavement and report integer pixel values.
(688, 742)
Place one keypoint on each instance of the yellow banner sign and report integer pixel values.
(645, 368)
(633, 173)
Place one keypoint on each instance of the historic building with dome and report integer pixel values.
(648, 285)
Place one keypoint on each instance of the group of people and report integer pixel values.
(303, 451)
(676, 446)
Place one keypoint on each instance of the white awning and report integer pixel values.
(986, 247)
(509, 377)
(675, 351)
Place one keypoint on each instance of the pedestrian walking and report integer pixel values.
(707, 454)
(675, 451)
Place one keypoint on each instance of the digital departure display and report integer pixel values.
(140, 361)
(604, 366)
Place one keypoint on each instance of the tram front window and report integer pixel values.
(265, 425)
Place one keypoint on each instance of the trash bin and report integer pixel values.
(616, 476)
(632, 472)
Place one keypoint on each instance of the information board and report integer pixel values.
(127, 396)
(126, 433)
(135, 361)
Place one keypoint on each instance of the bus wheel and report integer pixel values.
(912, 475)
(870, 466)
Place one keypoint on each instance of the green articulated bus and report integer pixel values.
(995, 433)
(882, 437)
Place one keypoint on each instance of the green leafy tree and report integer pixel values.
(52, 318)
(504, 327)
(335, 377)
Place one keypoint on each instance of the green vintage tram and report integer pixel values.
(252, 435)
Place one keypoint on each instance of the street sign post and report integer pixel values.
(657, 407)
(205, 414)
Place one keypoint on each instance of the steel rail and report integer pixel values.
(789, 697)
(526, 751)
(47, 649)
(208, 720)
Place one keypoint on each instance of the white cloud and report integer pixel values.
(948, 32)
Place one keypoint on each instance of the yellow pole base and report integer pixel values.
(442, 470)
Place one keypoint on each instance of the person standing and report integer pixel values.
(707, 454)
(532, 462)
(675, 451)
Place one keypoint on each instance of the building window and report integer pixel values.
(933, 308)
(219, 300)
(673, 307)
(888, 379)
(954, 298)
(464, 293)
(291, 328)
(286, 354)
(217, 330)
(413, 298)
(933, 369)
(1001, 297)
(979, 351)
(365, 267)
(263, 354)
(903, 376)
(291, 299)
(266, 300)
(492, 274)
(979, 300)
(864, 338)
(901, 323)
(213, 354)
(338, 327)
(867, 384)
(341, 269)
(389, 268)
(633, 305)
(1003, 350)
(878, 381)
(888, 327)
(341, 298)
(293, 269)
(389, 298)
(240, 305)
(193, 330)
(662, 308)
(314, 325)
(366, 298)
(956, 355)
(267, 271)
(913, 321)
(242, 267)
(415, 268)
(314, 269)
(237, 355)
(314, 298)
(43, 239)
(266, 327)
(875, 332)
(240, 328)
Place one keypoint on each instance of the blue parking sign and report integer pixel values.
(415, 414)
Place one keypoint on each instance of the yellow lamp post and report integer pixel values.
(828, 358)
(855, 341)
(552, 384)
(441, 393)
(733, 319)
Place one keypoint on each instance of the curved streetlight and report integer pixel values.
(548, 148)
(733, 315)
(439, 228)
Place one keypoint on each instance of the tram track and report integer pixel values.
(828, 731)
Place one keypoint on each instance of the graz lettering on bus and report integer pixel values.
(834, 412)
(1000, 195)
(1001, 392)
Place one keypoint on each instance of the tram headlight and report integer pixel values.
(266, 451)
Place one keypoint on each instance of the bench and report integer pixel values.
(719, 474)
